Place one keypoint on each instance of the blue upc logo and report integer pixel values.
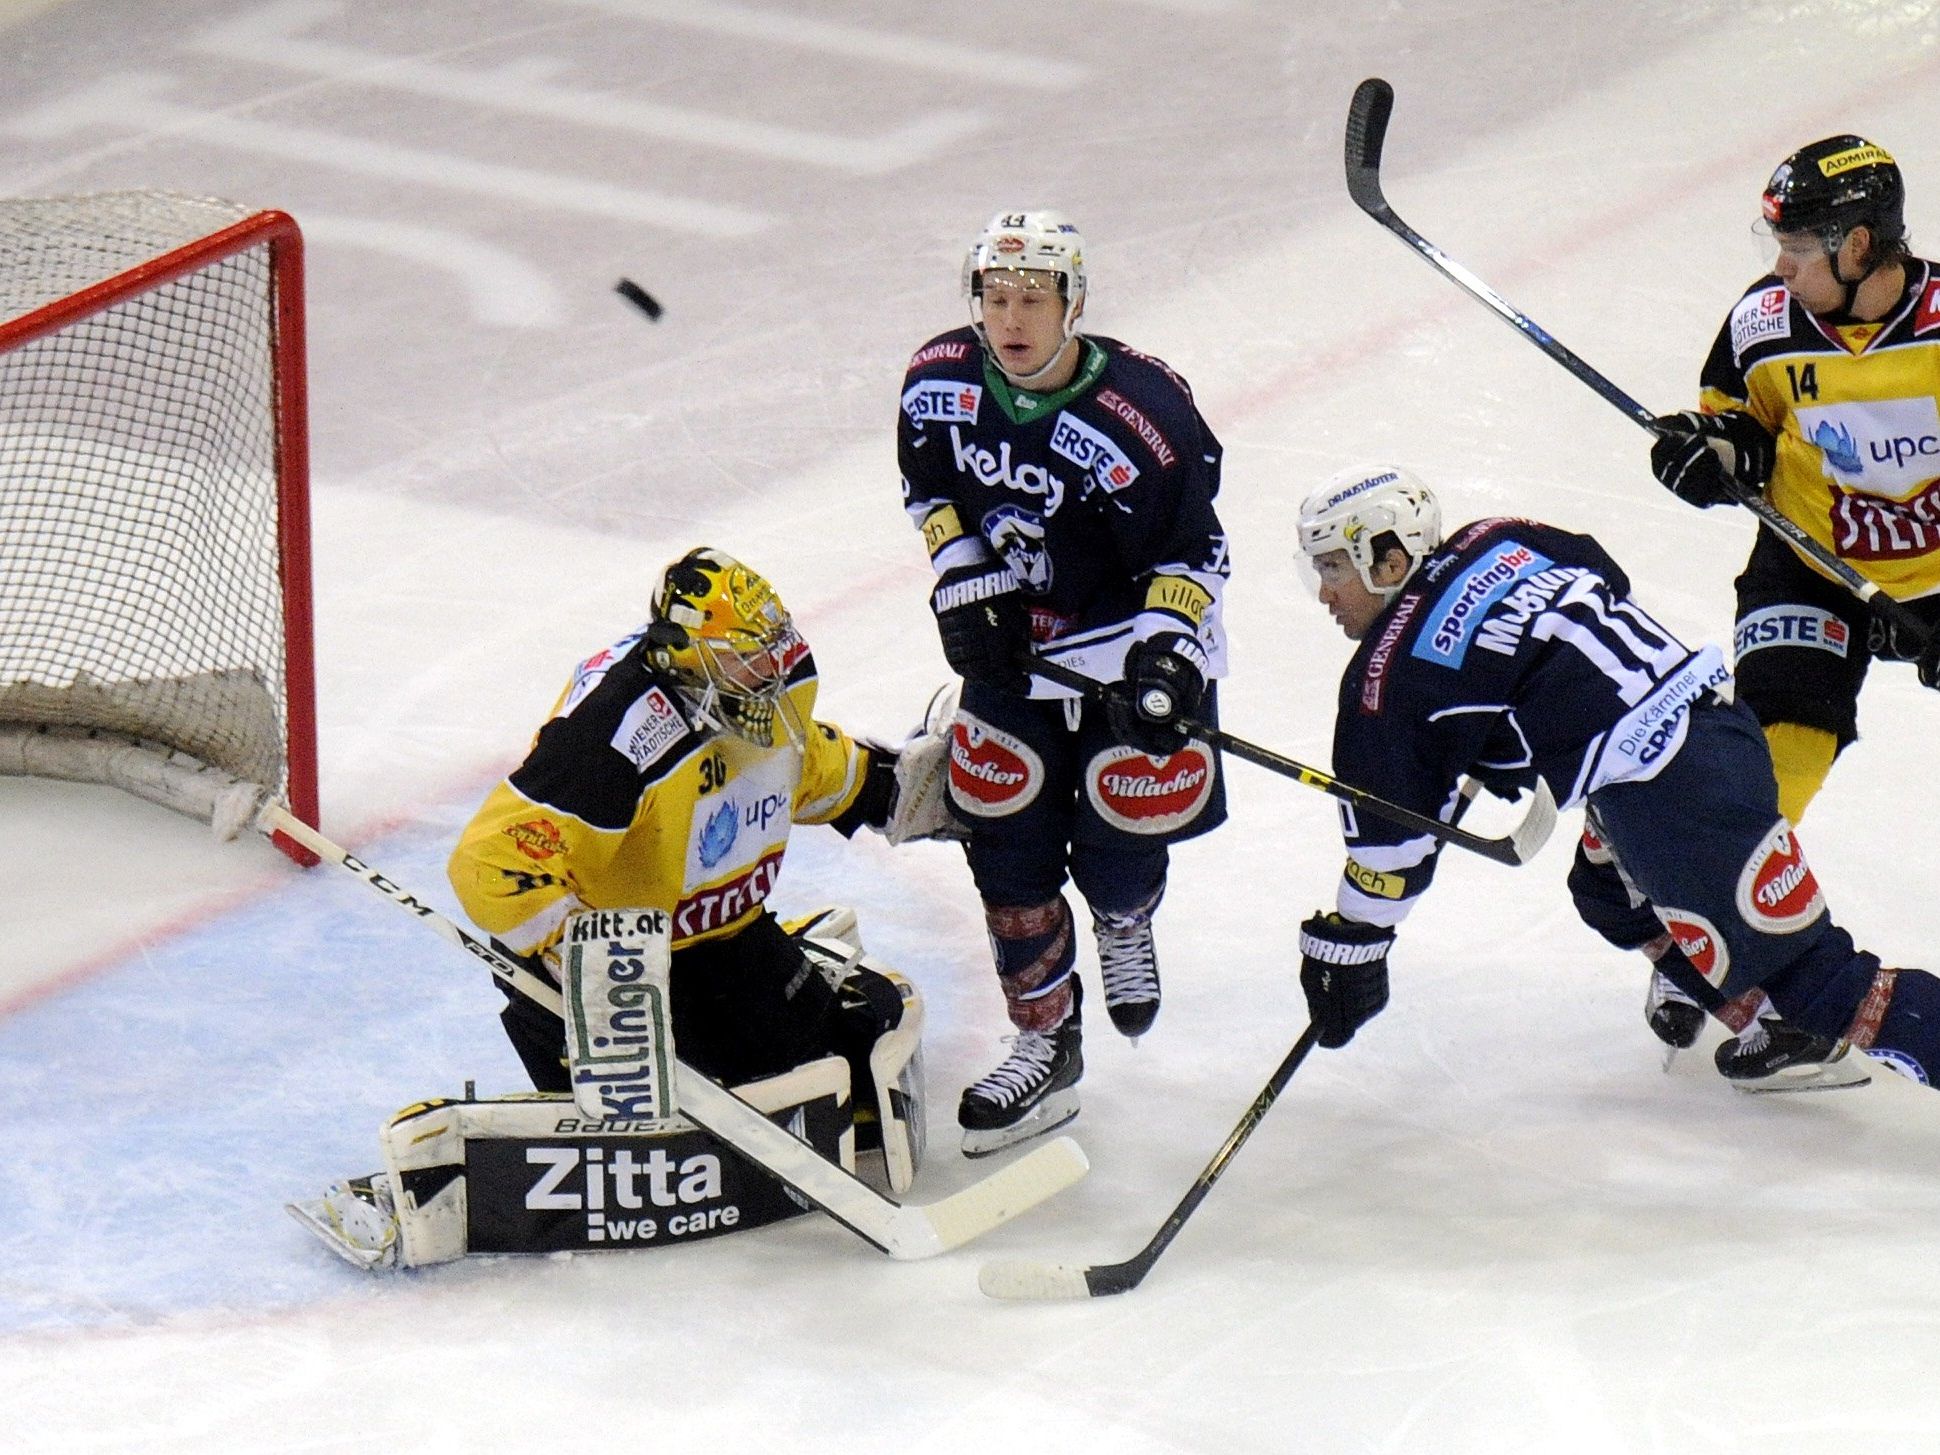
(718, 834)
(1841, 450)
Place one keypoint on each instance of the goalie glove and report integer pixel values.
(1165, 678)
(920, 806)
(1699, 457)
(1344, 972)
(984, 624)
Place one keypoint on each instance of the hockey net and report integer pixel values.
(154, 501)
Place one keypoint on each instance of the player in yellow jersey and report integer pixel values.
(669, 775)
(1823, 391)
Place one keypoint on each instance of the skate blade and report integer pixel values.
(1841, 1074)
(1047, 1116)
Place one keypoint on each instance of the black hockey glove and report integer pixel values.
(984, 623)
(1699, 457)
(1929, 665)
(1344, 971)
(1164, 680)
(875, 801)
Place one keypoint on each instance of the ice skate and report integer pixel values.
(1129, 965)
(1032, 1091)
(356, 1219)
(1772, 1056)
(1673, 1017)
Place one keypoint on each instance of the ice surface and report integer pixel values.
(1491, 1224)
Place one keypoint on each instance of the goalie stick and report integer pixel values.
(1017, 1278)
(1367, 130)
(1517, 847)
(903, 1231)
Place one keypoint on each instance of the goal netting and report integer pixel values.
(154, 498)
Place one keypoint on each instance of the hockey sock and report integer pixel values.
(1745, 1012)
(1801, 758)
(1898, 1022)
(1034, 949)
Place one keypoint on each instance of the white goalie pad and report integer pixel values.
(896, 1067)
(922, 807)
(614, 979)
(833, 943)
(529, 1174)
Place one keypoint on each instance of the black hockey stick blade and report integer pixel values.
(1023, 1279)
(1367, 132)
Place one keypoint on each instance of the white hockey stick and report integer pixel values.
(903, 1231)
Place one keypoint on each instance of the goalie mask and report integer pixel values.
(720, 630)
(1358, 510)
(1040, 248)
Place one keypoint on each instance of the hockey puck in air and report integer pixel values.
(639, 298)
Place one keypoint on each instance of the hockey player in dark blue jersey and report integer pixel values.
(1064, 488)
(1513, 650)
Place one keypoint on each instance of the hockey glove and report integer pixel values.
(985, 626)
(1700, 457)
(875, 800)
(1165, 678)
(1344, 971)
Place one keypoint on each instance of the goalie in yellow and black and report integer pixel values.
(669, 775)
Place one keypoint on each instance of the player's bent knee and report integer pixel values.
(1604, 902)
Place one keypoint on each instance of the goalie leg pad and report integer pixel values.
(896, 1077)
(882, 1035)
(530, 1174)
(616, 985)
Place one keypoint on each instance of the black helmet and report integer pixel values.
(1835, 185)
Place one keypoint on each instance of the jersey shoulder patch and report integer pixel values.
(1764, 313)
(1926, 314)
(946, 349)
(942, 401)
(650, 729)
(1106, 462)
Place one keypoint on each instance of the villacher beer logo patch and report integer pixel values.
(1700, 941)
(1145, 795)
(992, 772)
(1776, 890)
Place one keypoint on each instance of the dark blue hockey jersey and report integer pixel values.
(1514, 650)
(1098, 496)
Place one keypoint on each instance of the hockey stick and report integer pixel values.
(904, 1231)
(1519, 847)
(1367, 131)
(1016, 1278)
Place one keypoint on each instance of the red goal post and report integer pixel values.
(155, 610)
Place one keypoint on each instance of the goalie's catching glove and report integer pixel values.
(1344, 971)
(1164, 680)
(984, 624)
(1700, 457)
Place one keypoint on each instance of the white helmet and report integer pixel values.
(1040, 241)
(1356, 507)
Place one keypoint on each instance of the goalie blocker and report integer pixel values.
(532, 1173)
